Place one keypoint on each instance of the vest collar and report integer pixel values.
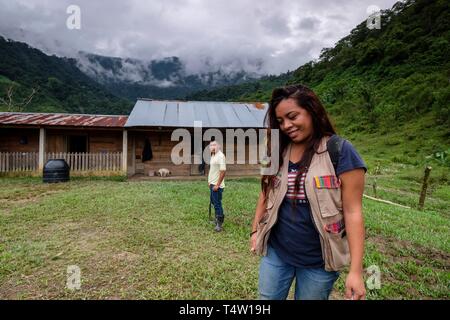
(286, 156)
(287, 152)
(323, 145)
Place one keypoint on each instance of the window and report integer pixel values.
(77, 144)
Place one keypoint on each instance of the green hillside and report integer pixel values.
(60, 86)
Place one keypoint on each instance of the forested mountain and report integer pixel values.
(58, 84)
(97, 84)
(166, 78)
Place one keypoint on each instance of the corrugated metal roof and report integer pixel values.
(149, 113)
(62, 119)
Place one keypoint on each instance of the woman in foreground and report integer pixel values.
(308, 223)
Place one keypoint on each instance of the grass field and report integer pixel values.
(153, 240)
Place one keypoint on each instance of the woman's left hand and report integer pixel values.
(354, 286)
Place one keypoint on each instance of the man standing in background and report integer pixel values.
(216, 182)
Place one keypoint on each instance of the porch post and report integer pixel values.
(41, 149)
(125, 151)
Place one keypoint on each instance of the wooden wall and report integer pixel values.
(105, 141)
(162, 147)
(56, 143)
(241, 169)
(10, 140)
(99, 141)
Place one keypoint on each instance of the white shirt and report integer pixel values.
(217, 164)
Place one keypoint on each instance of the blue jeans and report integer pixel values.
(275, 279)
(216, 200)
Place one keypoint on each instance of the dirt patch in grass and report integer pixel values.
(400, 251)
(419, 271)
(27, 198)
(105, 270)
(126, 256)
(409, 270)
(21, 196)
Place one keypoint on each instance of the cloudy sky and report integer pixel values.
(276, 35)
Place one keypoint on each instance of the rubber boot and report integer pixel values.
(219, 224)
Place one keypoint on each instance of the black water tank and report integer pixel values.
(56, 170)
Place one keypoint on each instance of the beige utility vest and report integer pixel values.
(326, 207)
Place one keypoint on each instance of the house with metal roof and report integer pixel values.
(183, 114)
(138, 144)
(89, 143)
(152, 122)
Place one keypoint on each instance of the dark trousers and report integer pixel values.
(216, 200)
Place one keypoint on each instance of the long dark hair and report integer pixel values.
(322, 126)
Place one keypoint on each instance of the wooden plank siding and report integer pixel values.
(19, 140)
(97, 140)
(162, 147)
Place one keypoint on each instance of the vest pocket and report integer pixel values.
(329, 199)
(340, 253)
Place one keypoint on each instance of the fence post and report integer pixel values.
(423, 193)
(374, 186)
(42, 141)
(124, 151)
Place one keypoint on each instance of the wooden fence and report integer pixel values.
(29, 161)
(90, 161)
(18, 161)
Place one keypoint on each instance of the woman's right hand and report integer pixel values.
(253, 242)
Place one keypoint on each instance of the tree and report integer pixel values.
(14, 106)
